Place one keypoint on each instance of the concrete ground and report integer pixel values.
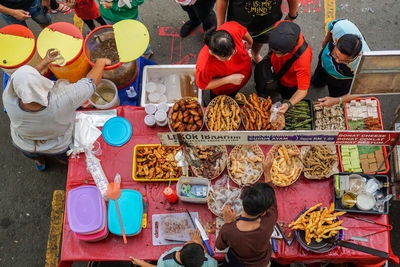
(26, 194)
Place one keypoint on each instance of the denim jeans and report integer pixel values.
(148, 50)
(36, 12)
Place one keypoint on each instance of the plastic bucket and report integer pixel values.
(69, 40)
(122, 74)
(105, 88)
(18, 48)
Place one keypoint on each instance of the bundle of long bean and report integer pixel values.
(299, 117)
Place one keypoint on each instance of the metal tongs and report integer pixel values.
(189, 152)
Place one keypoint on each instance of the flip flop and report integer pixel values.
(40, 167)
(64, 9)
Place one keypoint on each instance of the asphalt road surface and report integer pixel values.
(26, 194)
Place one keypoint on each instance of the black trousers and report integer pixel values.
(336, 87)
(202, 12)
(90, 22)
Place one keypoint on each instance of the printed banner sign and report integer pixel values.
(381, 138)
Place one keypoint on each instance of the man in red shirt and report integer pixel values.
(284, 41)
(224, 65)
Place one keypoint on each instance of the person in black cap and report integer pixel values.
(286, 41)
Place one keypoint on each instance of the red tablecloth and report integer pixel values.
(291, 200)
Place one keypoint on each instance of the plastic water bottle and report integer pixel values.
(95, 169)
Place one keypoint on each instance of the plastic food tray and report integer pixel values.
(385, 190)
(311, 114)
(134, 167)
(348, 128)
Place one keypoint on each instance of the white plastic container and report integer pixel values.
(163, 106)
(161, 89)
(105, 84)
(160, 73)
(163, 99)
(150, 121)
(150, 109)
(161, 118)
(150, 87)
(154, 98)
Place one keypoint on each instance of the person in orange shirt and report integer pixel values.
(285, 39)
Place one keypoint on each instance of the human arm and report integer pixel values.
(235, 78)
(267, 164)
(330, 101)
(248, 39)
(97, 71)
(293, 7)
(51, 55)
(296, 98)
(141, 263)
(19, 14)
(326, 39)
(228, 214)
(70, 3)
(221, 7)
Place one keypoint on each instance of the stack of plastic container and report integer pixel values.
(87, 214)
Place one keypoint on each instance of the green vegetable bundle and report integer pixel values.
(299, 117)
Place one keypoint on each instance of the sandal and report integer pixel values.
(40, 167)
(149, 55)
(62, 8)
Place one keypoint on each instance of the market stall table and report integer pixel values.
(291, 200)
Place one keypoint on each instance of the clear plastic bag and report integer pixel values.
(380, 202)
(277, 118)
(94, 168)
(373, 185)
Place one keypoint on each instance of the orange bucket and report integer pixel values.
(18, 48)
(68, 40)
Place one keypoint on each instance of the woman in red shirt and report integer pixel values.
(224, 65)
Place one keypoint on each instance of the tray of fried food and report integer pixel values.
(212, 159)
(319, 161)
(286, 166)
(318, 223)
(186, 115)
(155, 163)
(222, 114)
(256, 113)
(245, 164)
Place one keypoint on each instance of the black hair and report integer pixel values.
(219, 42)
(192, 255)
(257, 198)
(350, 45)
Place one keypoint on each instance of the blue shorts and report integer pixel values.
(36, 12)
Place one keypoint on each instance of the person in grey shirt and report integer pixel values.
(42, 112)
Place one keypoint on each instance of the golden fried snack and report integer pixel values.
(186, 115)
(319, 223)
(256, 113)
(157, 162)
(318, 161)
(286, 166)
(223, 114)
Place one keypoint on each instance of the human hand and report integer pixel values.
(283, 108)
(327, 101)
(228, 214)
(106, 5)
(20, 14)
(196, 237)
(137, 261)
(46, 4)
(248, 45)
(266, 165)
(236, 78)
(51, 55)
(104, 61)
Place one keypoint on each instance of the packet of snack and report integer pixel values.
(277, 118)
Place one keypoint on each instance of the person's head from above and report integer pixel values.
(257, 199)
(192, 254)
(220, 44)
(284, 38)
(347, 48)
(30, 86)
